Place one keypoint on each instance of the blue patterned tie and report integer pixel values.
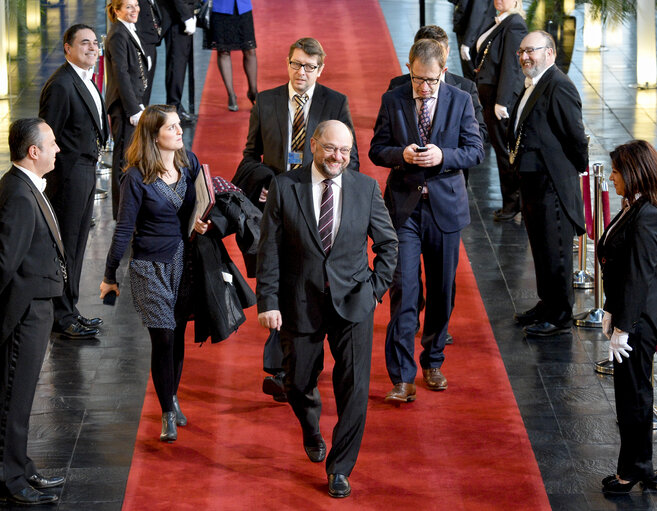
(424, 121)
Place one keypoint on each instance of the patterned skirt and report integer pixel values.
(155, 287)
(232, 31)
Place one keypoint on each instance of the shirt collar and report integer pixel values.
(130, 26)
(291, 92)
(499, 19)
(84, 74)
(39, 182)
(317, 177)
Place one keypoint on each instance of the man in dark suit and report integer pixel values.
(314, 280)
(269, 148)
(471, 17)
(73, 107)
(149, 29)
(178, 27)
(32, 272)
(548, 148)
(426, 133)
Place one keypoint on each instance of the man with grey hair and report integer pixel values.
(548, 148)
(314, 281)
(32, 272)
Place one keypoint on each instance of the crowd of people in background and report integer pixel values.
(300, 170)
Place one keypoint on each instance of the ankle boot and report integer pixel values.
(181, 420)
(169, 431)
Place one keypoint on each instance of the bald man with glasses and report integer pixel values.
(280, 128)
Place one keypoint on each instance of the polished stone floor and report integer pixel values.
(90, 393)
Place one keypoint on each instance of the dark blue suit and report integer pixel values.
(426, 227)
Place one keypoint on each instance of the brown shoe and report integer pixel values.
(401, 393)
(434, 379)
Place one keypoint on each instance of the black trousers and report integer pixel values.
(73, 202)
(151, 51)
(509, 182)
(634, 401)
(551, 234)
(179, 47)
(303, 361)
(21, 357)
(122, 132)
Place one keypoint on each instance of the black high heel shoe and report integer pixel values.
(181, 420)
(169, 431)
(611, 484)
(252, 96)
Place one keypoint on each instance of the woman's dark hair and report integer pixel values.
(636, 162)
(144, 153)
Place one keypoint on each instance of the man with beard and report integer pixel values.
(314, 281)
(548, 148)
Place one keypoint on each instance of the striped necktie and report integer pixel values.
(424, 121)
(298, 127)
(325, 223)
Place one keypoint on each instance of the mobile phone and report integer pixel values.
(110, 298)
(421, 149)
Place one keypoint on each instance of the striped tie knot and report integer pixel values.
(300, 100)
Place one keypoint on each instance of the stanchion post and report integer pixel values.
(593, 318)
(581, 278)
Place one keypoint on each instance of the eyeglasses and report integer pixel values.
(309, 68)
(529, 51)
(330, 149)
(419, 80)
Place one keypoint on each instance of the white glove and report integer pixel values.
(465, 52)
(501, 112)
(607, 329)
(618, 346)
(190, 25)
(134, 119)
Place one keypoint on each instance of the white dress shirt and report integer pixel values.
(530, 84)
(318, 189)
(484, 36)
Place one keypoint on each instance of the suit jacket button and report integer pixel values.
(419, 188)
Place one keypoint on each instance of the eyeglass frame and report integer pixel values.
(293, 63)
(344, 151)
(426, 80)
(529, 51)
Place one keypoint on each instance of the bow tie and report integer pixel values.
(87, 74)
(41, 184)
(528, 82)
(497, 20)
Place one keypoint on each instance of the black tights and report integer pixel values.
(250, 63)
(167, 354)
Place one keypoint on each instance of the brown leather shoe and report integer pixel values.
(434, 379)
(401, 393)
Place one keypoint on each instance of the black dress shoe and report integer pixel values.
(90, 322)
(339, 486)
(30, 497)
(78, 331)
(614, 486)
(315, 448)
(505, 216)
(546, 329)
(186, 117)
(449, 339)
(169, 432)
(274, 386)
(39, 482)
(531, 316)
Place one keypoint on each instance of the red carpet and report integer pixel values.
(462, 449)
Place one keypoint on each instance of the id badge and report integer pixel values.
(294, 158)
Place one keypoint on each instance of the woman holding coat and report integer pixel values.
(127, 82)
(499, 82)
(157, 200)
(627, 252)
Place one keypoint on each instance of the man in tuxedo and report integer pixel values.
(32, 272)
(548, 148)
(470, 19)
(149, 29)
(72, 106)
(178, 27)
(314, 281)
(279, 140)
(426, 133)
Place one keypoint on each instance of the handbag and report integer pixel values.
(203, 15)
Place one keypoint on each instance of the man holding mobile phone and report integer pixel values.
(426, 133)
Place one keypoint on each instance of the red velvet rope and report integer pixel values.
(586, 197)
(605, 207)
(99, 75)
